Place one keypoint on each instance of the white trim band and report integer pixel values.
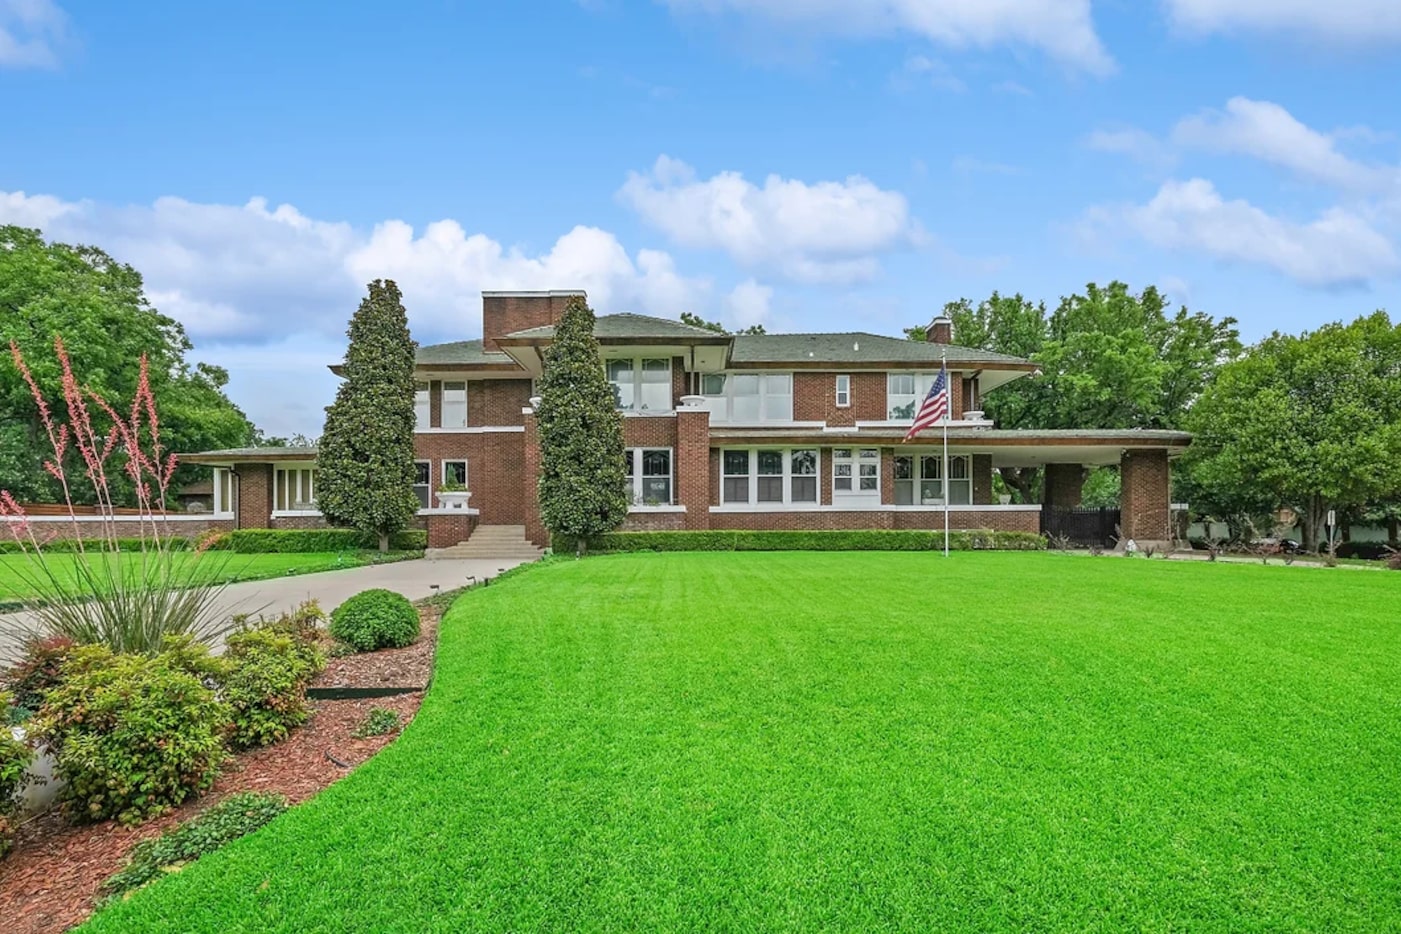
(874, 507)
(646, 509)
(478, 430)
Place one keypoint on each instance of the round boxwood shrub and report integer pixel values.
(375, 619)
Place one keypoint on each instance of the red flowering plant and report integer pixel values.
(100, 587)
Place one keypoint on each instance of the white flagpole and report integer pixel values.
(948, 408)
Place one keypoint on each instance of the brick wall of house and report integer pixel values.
(444, 530)
(1063, 485)
(691, 467)
(298, 522)
(435, 403)
(504, 314)
(649, 431)
(887, 475)
(982, 479)
(497, 402)
(254, 495)
(815, 398)
(495, 462)
(679, 381)
(655, 522)
(1145, 496)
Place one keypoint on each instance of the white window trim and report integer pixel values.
(637, 384)
(856, 493)
(919, 478)
(443, 405)
(721, 407)
(443, 472)
(429, 484)
(220, 509)
(842, 391)
(277, 471)
(636, 456)
(787, 476)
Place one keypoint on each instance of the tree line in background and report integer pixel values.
(1306, 423)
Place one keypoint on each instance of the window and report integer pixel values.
(649, 476)
(454, 410)
(294, 489)
(641, 385)
(843, 391)
(778, 477)
(841, 470)
(420, 482)
(422, 411)
(747, 398)
(924, 475)
(904, 391)
(225, 492)
(856, 472)
(454, 474)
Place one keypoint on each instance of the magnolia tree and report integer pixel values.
(99, 586)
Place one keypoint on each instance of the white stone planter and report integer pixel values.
(693, 402)
(41, 791)
(1004, 498)
(455, 500)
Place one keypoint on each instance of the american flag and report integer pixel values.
(934, 408)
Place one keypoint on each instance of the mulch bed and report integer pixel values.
(51, 880)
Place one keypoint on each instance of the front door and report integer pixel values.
(856, 476)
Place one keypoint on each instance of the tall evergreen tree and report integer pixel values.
(582, 470)
(366, 462)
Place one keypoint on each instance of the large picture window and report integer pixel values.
(649, 476)
(225, 492)
(769, 477)
(905, 391)
(454, 409)
(919, 480)
(748, 398)
(294, 489)
(641, 384)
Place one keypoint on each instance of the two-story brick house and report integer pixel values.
(781, 431)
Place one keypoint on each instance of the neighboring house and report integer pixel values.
(772, 431)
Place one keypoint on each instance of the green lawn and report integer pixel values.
(224, 567)
(820, 742)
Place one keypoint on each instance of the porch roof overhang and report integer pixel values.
(233, 456)
(1007, 448)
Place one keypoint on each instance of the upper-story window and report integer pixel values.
(422, 410)
(454, 410)
(843, 391)
(749, 397)
(903, 392)
(641, 384)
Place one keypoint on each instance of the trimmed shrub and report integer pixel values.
(64, 546)
(38, 670)
(855, 540)
(134, 736)
(15, 757)
(266, 684)
(375, 619)
(234, 817)
(306, 541)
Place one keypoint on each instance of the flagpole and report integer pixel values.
(947, 411)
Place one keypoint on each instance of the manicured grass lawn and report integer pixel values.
(862, 742)
(223, 567)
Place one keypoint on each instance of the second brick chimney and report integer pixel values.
(940, 331)
(506, 312)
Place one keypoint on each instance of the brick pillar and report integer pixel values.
(824, 473)
(435, 403)
(692, 469)
(887, 476)
(535, 530)
(1063, 485)
(982, 479)
(254, 496)
(1145, 497)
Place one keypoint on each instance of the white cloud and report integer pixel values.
(823, 232)
(923, 71)
(1063, 29)
(30, 31)
(1348, 21)
(1266, 131)
(1337, 248)
(1139, 145)
(748, 303)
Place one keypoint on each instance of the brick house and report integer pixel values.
(782, 431)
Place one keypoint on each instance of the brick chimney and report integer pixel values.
(506, 312)
(940, 331)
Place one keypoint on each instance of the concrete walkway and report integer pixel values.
(413, 579)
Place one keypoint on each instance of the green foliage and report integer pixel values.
(375, 619)
(379, 721)
(582, 470)
(64, 546)
(15, 757)
(1310, 422)
(856, 540)
(270, 668)
(696, 321)
(366, 458)
(133, 736)
(307, 541)
(99, 307)
(236, 816)
(37, 671)
(1102, 488)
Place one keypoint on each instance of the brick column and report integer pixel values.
(692, 469)
(435, 403)
(1063, 485)
(982, 479)
(535, 530)
(254, 496)
(1145, 497)
(887, 476)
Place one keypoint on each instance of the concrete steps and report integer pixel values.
(491, 541)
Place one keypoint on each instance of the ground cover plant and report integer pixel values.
(827, 741)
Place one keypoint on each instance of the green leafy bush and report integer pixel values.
(65, 546)
(379, 721)
(235, 816)
(269, 669)
(855, 540)
(306, 541)
(38, 670)
(134, 736)
(375, 619)
(15, 757)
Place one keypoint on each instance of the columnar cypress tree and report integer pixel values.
(365, 468)
(581, 435)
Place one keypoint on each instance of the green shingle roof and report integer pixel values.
(628, 326)
(853, 347)
(458, 353)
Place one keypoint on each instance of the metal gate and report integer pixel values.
(1085, 527)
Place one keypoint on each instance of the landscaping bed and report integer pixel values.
(53, 878)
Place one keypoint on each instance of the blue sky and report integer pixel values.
(807, 164)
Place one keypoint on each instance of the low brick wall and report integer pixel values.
(298, 522)
(183, 526)
(654, 522)
(446, 530)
